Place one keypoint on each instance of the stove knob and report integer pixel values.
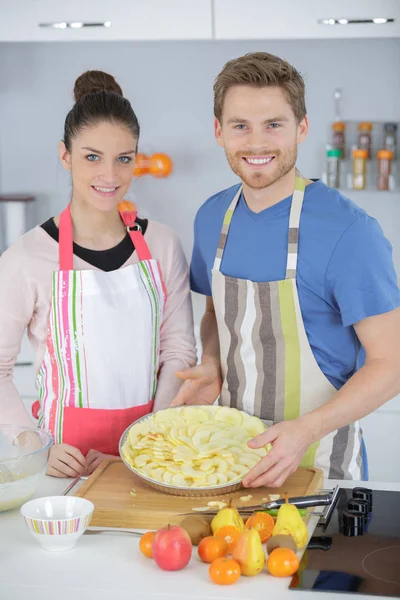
(352, 523)
(359, 506)
(363, 494)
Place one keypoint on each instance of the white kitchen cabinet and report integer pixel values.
(128, 19)
(381, 434)
(291, 19)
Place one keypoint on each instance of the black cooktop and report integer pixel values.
(357, 548)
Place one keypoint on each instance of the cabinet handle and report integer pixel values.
(23, 364)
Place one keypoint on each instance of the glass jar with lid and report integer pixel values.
(390, 138)
(360, 157)
(385, 158)
(333, 156)
(339, 136)
(365, 137)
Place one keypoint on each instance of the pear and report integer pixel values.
(249, 553)
(290, 522)
(227, 516)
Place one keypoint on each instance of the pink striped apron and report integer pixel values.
(99, 371)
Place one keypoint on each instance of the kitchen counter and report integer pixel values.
(107, 566)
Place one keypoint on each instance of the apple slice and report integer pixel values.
(228, 415)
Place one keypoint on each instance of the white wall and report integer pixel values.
(170, 87)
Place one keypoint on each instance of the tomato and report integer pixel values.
(224, 571)
(146, 544)
(282, 562)
(211, 548)
(264, 524)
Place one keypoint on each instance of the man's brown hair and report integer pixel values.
(261, 69)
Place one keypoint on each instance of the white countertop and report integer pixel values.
(107, 566)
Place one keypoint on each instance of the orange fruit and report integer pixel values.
(264, 524)
(230, 534)
(282, 562)
(211, 548)
(146, 544)
(141, 164)
(160, 165)
(224, 571)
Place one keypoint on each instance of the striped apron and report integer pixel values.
(268, 367)
(99, 371)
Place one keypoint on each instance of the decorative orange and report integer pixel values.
(141, 164)
(224, 571)
(230, 534)
(264, 524)
(160, 165)
(211, 548)
(282, 562)
(146, 544)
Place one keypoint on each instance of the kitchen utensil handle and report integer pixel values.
(73, 484)
(306, 501)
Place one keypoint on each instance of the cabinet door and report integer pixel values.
(381, 434)
(125, 20)
(289, 19)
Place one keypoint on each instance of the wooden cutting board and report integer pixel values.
(110, 487)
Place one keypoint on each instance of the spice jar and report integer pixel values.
(333, 167)
(360, 157)
(390, 137)
(338, 136)
(365, 137)
(384, 167)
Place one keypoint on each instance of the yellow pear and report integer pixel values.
(249, 553)
(290, 522)
(227, 516)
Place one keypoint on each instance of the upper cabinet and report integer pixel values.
(296, 19)
(139, 20)
(104, 20)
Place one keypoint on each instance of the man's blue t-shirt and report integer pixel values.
(345, 270)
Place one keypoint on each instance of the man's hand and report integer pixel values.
(202, 385)
(290, 441)
(94, 458)
(65, 461)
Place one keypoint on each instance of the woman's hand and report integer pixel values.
(202, 385)
(66, 461)
(94, 458)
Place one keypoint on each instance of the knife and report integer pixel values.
(112, 530)
(299, 501)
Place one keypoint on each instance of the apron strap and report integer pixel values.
(65, 244)
(294, 225)
(128, 216)
(225, 228)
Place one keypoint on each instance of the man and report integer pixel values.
(299, 283)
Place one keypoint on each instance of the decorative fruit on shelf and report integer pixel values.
(160, 165)
(146, 544)
(172, 548)
(264, 524)
(211, 548)
(282, 562)
(197, 528)
(224, 571)
(141, 164)
(230, 534)
(290, 522)
(249, 552)
(227, 516)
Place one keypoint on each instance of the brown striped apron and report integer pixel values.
(268, 367)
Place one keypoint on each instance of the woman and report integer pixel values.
(104, 295)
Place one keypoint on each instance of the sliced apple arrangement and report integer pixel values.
(194, 446)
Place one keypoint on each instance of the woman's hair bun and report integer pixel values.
(95, 81)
